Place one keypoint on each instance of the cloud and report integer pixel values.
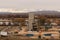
(31, 4)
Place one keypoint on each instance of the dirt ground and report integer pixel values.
(19, 38)
(16, 38)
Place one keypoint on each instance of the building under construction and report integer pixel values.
(30, 21)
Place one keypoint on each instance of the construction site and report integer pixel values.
(29, 26)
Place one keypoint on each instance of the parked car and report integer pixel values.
(49, 35)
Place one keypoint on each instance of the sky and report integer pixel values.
(31, 4)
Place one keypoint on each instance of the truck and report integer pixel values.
(4, 34)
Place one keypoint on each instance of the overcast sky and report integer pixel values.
(31, 4)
